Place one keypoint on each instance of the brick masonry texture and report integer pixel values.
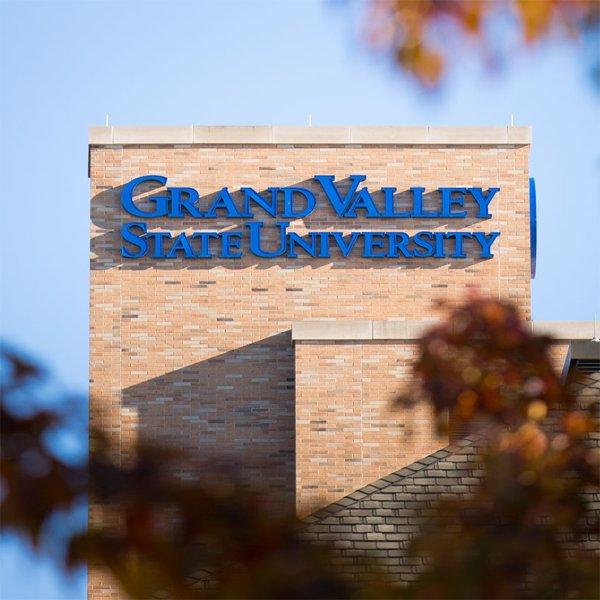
(361, 432)
(198, 354)
(379, 520)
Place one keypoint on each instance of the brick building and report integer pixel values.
(288, 364)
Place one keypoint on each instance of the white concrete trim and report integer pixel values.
(301, 135)
(411, 329)
(401, 330)
(565, 330)
(332, 330)
(359, 330)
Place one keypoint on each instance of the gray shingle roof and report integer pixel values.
(379, 520)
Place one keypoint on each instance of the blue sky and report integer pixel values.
(65, 65)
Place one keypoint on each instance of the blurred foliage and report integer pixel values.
(518, 536)
(523, 533)
(422, 34)
(155, 534)
(35, 483)
(158, 534)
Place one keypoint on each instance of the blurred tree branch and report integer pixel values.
(520, 535)
(421, 35)
(154, 532)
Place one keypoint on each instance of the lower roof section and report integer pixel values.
(379, 520)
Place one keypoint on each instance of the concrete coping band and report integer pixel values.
(413, 330)
(270, 135)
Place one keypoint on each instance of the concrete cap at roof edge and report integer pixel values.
(322, 136)
(314, 330)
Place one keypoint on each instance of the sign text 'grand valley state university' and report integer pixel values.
(293, 202)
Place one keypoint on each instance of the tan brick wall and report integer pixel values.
(351, 428)
(199, 353)
(558, 354)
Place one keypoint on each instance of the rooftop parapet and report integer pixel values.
(264, 135)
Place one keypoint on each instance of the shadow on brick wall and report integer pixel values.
(108, 216)
(235, 409)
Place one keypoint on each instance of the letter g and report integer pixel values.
(162, 202)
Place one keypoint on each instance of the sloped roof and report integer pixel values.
(379, 520)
